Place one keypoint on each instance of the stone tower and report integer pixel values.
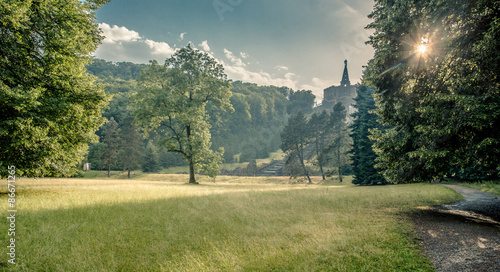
(344, 93)
(345, 77)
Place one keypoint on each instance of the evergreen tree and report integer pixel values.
(363, 156)
(131, 147)
(321, 135)
(295, 138)
(95, 154)
(111, 140)
(151, 159)
(339, 147)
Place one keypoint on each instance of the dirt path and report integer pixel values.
(462, 236)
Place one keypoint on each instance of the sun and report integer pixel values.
(422, 49)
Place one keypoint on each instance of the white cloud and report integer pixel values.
(204, 46)
(235, 60)
(261, 78)
(123, 44)
(160, 48)
(115, 34)
(281, 68)
(243, 55)
(181, 37)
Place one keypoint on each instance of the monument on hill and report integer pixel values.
(344, 93)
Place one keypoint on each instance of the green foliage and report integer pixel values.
(151, 159)
(363, 156)
(112, 142)
(338, 150)
(94, 155)
(50, 107)
(252, 131)
(301, 100)
(443, 106)
(123, 70)
(323, 139)
(321, 134)
(295, 138)
(172, 101)
(131, 147)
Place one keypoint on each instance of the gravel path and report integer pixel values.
(462, 236)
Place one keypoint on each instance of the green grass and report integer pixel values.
(491, 187)
(158, 223)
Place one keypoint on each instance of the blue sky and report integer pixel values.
(295, 43)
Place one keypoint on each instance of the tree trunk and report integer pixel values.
(301, 158)
(320, 160)
(129, 173)
(340, 173)
(322, 172)
(109, 169)
(307, 173)
(192, 179)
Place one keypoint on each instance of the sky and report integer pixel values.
(294, 43)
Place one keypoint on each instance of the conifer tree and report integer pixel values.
(131, 147)
(363, 156)
(339, 147)
(295, 138)
(321, 135)
(112, 141)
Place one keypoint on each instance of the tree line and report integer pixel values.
(250, 130)
(321, 140)
(428, 107)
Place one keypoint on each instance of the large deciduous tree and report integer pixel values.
(49, 106)
(436, 69)
(172, 101)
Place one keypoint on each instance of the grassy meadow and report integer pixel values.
(159, 223)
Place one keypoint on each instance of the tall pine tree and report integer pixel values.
(363, 156)
(295, 138)
(112, 141)
(321, 135)
(339, 148)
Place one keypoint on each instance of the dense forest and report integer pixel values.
(252, 131)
